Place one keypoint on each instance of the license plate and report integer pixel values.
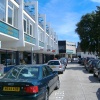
(16, 89)
(52, 66)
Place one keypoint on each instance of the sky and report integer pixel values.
(63, 15)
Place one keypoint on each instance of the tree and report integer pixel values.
(88, 30)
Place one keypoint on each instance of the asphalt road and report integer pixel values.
(77, 84)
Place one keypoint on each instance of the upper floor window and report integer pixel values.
(12, 14)
(25, 26)
(31, 29)
(2, 10)
(28, 26)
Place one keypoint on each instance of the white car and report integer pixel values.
(56, 65)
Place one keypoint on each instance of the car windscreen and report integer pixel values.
(54, 63)
(26, 72)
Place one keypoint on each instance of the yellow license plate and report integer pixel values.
(52, 66)
(16, 89)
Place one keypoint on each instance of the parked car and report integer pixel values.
(64, 61)
(86, 61)
(56, 65)
(29, 82)
(74, 60)
(79, 60)
(96, 72)
(91, 65)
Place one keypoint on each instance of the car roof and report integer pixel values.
(53, 60)
(29, 65)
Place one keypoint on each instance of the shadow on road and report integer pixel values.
(93, 80)
(74, 68)
(85, 71)
(98, 94)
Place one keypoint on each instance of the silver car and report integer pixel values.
(56, 65)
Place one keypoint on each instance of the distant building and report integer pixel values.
(66, 48)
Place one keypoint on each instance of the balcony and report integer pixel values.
(6, 31)
(29, 39)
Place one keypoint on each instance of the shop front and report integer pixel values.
(7, 59)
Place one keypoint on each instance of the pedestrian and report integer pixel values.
(22, 62)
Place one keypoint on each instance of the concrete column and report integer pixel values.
(36, 24)
(6, 11)
(17, 58)
(32, 55)
(20, 23)
(45, 40)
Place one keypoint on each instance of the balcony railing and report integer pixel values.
(29, 39)
(9, 30)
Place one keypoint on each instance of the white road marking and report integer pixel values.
(59, 95)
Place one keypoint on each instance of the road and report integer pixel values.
(77, 84)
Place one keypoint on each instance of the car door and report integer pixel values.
(55, 76)
(48, 79)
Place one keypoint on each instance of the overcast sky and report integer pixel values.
(63, 15)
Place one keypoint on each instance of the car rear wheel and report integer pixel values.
(58, 84)
(46, 95)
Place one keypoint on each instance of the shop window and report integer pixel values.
(7, 57)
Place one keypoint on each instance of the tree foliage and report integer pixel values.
(88, 30)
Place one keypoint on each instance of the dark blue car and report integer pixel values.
(29, 82)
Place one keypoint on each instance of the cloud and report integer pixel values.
(98, 1)
(62, 17)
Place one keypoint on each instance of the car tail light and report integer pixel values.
(31, 89)
(60, 66)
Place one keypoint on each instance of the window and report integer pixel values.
(49, 69)
(25, 72)
(54, 63)
(45, 71)
(12, 14)
(13, 73)
(30, 72)
(2, 10)
(31, 29)
(25, 26)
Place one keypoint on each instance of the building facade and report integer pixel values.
(25, 34)
(67, 49)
